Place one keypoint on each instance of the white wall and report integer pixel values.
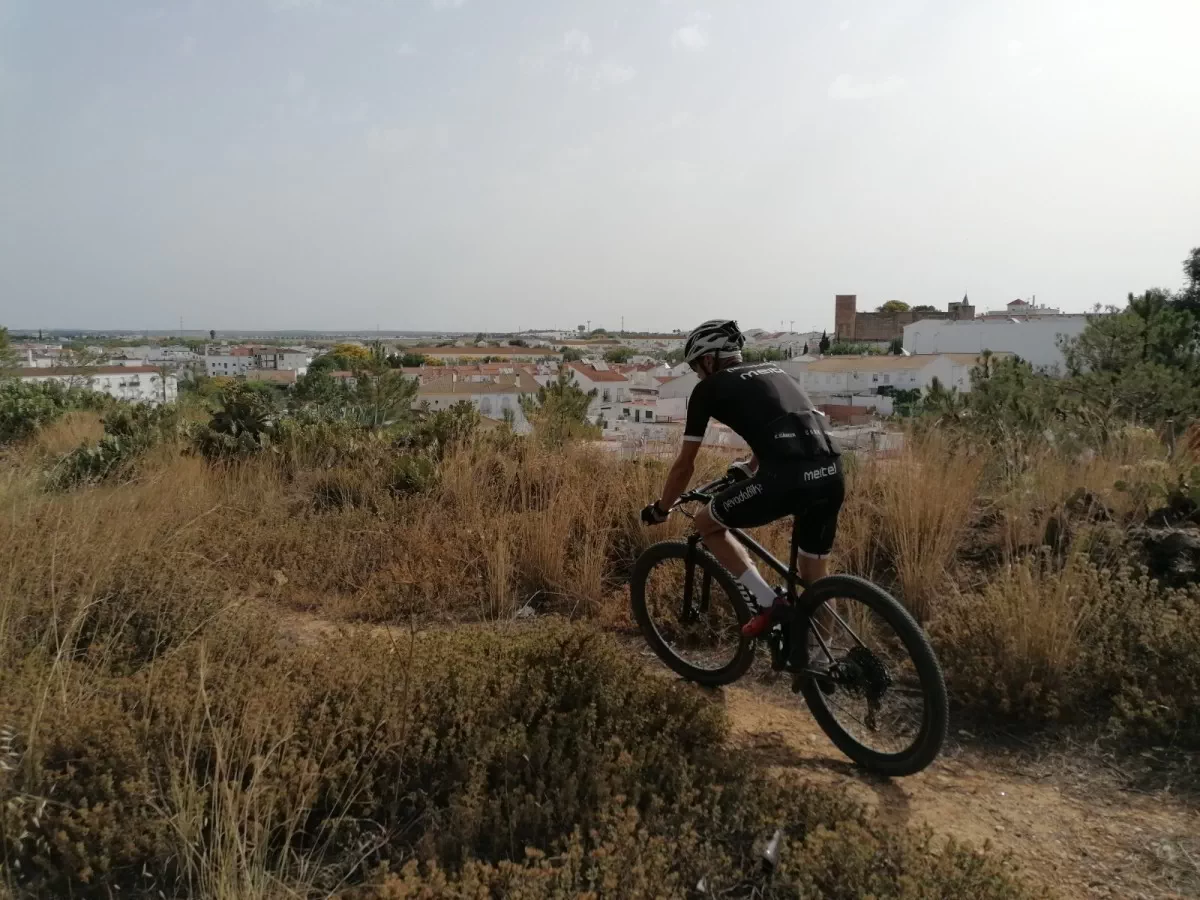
(609, 394)
(489, 404)
(282, 359)
(643, 431)
(144, 387)
(227, 365)
(868, 374)
(674, 408)
(679, 387)
(1034, 340)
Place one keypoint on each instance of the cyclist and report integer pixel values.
(794, 469)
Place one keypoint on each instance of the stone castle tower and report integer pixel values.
(845, 311)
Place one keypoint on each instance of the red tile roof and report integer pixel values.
(594, 374)
(520, 383)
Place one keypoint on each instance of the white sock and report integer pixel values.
(758, 587)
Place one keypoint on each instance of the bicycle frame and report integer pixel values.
(781, 652)
(790, 572)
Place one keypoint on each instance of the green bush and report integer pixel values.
(1073, 642)
(26, 407)
(524, 765)
(1147, 658)
(129, 431)
(442, 430)
(415, 474)
(242, 425)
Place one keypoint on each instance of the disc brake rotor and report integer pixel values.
(861, 671)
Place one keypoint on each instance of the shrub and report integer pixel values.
(529, 764)
(1075, 642)
(444, 430)
(414, 474)
(559, 411)
(129, 431)
(309, 440)
(242, 425)
(26, 407)
(845, 856)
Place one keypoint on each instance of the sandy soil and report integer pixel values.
(1068, 824)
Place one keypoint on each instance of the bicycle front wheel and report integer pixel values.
(691, 612)
(871, 678)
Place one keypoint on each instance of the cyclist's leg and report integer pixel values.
(747, 504)
(729, 553)
(816, 528)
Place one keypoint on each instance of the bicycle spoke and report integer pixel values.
(702, 631)
(870, 684)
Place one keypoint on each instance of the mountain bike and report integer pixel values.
(862, 663)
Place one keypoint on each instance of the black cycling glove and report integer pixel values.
(654, 514)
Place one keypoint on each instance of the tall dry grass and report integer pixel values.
(1018, 644)
(907, 516)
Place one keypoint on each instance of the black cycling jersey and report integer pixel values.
(764, 405)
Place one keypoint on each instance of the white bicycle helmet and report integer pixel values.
(719, 336)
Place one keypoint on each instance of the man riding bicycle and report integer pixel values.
(794, 469)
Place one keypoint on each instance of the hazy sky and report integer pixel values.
(498, 164)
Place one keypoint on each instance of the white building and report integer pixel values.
(1034, 338)
(133, 383)
(1021, 307)
(228, 364)
(611, 387)
(240, 360)
(153, 354)
(495, 396)
(281, 358)
(849, 375)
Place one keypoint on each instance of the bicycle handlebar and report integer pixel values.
(704, 492)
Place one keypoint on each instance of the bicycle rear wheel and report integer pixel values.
(870, 676)
(691, 612)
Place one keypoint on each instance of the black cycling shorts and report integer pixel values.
(812, 490)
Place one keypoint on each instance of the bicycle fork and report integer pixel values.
(691, 612)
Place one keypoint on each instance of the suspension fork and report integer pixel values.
(690, 611)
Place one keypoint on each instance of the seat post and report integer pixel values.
(794, 558)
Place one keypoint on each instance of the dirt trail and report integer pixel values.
(1068, 825)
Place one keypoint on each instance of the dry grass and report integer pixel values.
(137, 625)
(907, 516)
(68, 432)
(503, 528)
(1017, 642)
(1028, 501)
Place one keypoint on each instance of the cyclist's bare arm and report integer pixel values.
(680, 474)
